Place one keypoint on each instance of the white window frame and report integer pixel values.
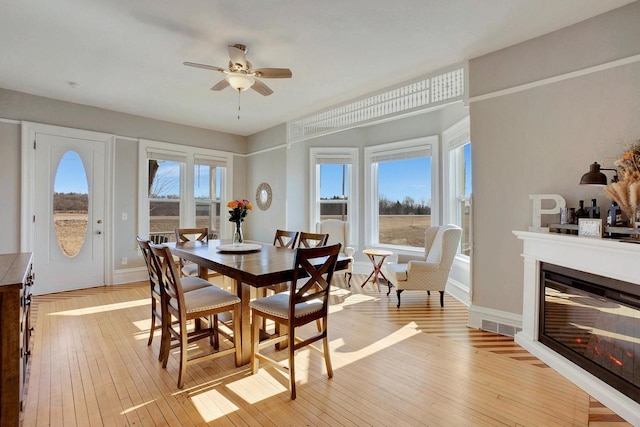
(454, 138)
(344, 155)
(188, 156)
(371, 184)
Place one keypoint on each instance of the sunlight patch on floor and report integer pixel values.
(136, 407)
(102, 308)
(212, 405)
(258, 387)
(347, 358)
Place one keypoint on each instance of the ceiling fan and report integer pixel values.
(240, 75)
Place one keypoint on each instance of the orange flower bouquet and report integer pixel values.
(238, 211)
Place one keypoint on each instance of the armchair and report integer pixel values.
(338, 232)
(431, 271)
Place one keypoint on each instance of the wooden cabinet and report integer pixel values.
(16, 280)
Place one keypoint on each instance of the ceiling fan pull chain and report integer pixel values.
(238, 104)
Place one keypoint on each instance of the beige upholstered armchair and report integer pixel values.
(338, 232)
(431, 271)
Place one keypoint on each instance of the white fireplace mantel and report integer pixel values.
(604, 257)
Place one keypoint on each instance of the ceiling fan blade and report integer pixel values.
(273, 73)
(206, 67)
(222, 84)
(261, 88)
(237, 56)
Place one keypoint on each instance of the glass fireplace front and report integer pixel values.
(593, 321)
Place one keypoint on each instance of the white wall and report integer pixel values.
(541, 138)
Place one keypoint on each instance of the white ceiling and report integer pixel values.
(127, 55)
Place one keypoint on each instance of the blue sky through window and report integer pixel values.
(71, 176)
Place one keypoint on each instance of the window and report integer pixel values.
(164, 197)
(208, 184)
(332, 186)
(181, 186)
(458, 190)
(402, 192)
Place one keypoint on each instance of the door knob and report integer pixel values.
(99, 221)
(98, 232)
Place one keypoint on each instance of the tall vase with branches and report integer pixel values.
(626, 192)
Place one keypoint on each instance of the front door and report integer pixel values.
(69, 208)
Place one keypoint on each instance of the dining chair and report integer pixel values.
(204, 303)
(285, 239)
(295, 308)
(183, 235)
(157, 290)
(312, 240)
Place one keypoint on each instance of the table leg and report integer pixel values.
(244, 293)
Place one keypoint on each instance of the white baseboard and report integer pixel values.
(129, 275)
(458, 291)
(488, 319)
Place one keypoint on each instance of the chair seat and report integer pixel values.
(278, 305)
(208, 298)
(397, 272)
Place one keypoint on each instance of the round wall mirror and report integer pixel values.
(263, 196)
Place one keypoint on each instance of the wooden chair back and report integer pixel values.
(155, 283)
(285, 239)
(312, 240)
(184, 234)
(312, 283)
(169, 279)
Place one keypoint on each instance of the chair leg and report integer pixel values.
(255, 341)
(184, 344)
(325, 345)
(214, 339)
(292, 365)
(398, 292)
(165, 343)
(441, 298)
(348, 280)
(390, 286)
(428, 292)
(153, 321)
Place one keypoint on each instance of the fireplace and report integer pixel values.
(593, 321)
(588, 283)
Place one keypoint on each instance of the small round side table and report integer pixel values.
(381, 254)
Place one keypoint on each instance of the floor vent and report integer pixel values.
(499, 328)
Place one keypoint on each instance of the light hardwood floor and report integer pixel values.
(419, 365)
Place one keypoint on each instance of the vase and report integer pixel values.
(238, 240)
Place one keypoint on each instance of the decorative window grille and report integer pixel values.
(411, 97)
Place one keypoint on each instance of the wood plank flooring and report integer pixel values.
(419, 365)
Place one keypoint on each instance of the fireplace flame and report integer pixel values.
(614, 360)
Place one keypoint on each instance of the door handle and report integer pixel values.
(99, 221)
(98, 232)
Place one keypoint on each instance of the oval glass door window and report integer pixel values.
(71, 204)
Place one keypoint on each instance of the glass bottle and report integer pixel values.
(594, 211)
(580, 213)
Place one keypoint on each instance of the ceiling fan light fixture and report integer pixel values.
(240, 81)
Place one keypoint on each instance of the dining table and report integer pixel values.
(252, 265)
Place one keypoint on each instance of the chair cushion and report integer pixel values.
(278, 305)
(397, 272)
(207, 298)
(192, 283)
